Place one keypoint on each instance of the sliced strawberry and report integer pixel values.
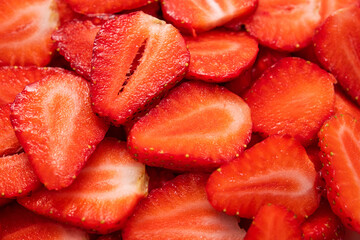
(9, 143)
(337, 46)
(323, 224)
(136, 58)
(77, 48)
(152, 8)
(25, 31)
(18, 223)
(285, 24)
(218, 56)
(103, 195)
(198, 126)
(55, 125)
(104, 6)
(308, 53)
(314, 152)
(277, 171)
(180, 211)
(66, 13)
(344, 105)
(158, 177)
(340, 141)
(293, 97)
(193, 16)
(274, 222)
(237, 24)
(329, 7)
(240, 84)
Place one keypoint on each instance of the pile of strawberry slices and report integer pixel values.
(180, 120)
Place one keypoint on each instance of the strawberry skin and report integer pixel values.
(276, 170)
(340, 142)
(104, 6)
(9, 143)
(136, 58)
(56, 126)
(103, 195)
(344, 105)
(197, 126)
(180, 211)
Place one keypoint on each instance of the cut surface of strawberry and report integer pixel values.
(180, 211)
(103, 195)
(193, 16)
(340, 142)
(9, 143)
(25, 31)
(56, 126)
(274, 222)
(293, 97)
(218, 56)
(198, 126)
(344, 105)
(276, 170)
(104, 6)
(337, 46)
(136, 58)
(329, 7)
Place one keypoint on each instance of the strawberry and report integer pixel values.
(231, 54)
(292, 97)
(344, 105)
(18, 223)
(198, 126)
(9, 144)
(180, 211)
(103, 195)
(314, 152)
(56, 127)
(199, 16)
(25, 30)
(274, 222)
(240, 84)
(158, 177)
(104, 6)
(66, 14)
(77, 48)
(323, 224)
(341, 29)
(329, 7)
(136, 58)
(276, 170)
(340, 142)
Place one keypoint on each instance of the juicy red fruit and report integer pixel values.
(104, 6)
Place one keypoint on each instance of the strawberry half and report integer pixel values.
(340, 141)
(136, 59)
(180, 211)
(337, 46)
(274, 222)
(344, 105)
(218, 56)
(103, 195)
(276, 170)
(198, 126)
(293, 97)
(104, 6)
(25, 31)
(56, 126)
(9, 143)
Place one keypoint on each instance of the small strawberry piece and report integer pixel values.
(293, 97)
(274, 222)
(180, 211)
(219, 56)
(340, 141)
(337, 46)
(308, 53)
(18, 223)
(344, 105)
(198, 126)
(77, 48)
(192, 16)
(56, 126)
(285, 25)
(314, 152)
(323, 224)
(276, 170)
(9, 143)
(158, 177)
(240, 84)
(136, 58)
(103, 195)
(104, 6)
(25, 31)
(66, 14)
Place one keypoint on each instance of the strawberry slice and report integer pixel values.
(329, 7)
(180, 210)
(136, 58)
(104, 6)
(241, 84)
(103, 195)
(274, 222)
(25, 31)
(219, 56)
(198, 126)
(55, 125)
(9, 143)
(293, 97)
(18, 223)
(193, 16)
(77, 48)
(344, 105)
(66, 14)
(337, 46)
(158, 177)
(340, 141)
(276, 170)
(285, 25)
